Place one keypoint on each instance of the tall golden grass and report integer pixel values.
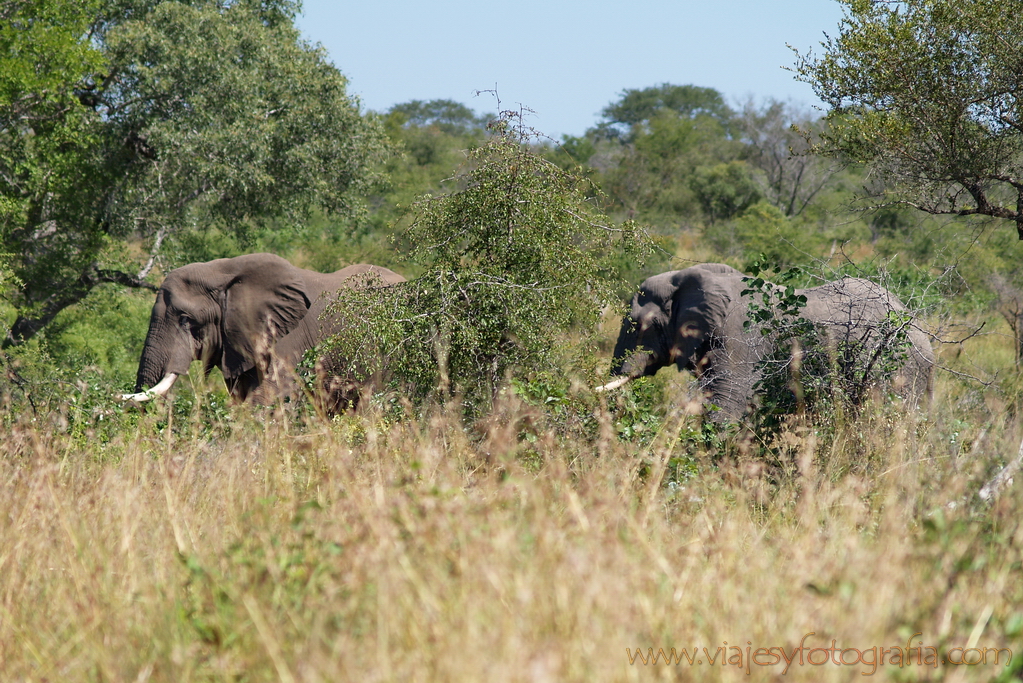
(367, 549)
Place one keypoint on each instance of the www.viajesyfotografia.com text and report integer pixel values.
(748, 658)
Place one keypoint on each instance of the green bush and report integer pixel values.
(763, 230)
(512, 260)
(724, 190)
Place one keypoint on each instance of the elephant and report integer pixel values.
(252, 316)
(696, 319)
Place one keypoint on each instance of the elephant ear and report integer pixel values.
(702, 294)
(703, 305)
(265, 300)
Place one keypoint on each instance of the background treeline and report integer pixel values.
(135, 151)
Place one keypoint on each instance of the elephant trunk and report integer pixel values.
(638, 352)
(632, 359)
(626, 344)
(168, 351)
(152, 368)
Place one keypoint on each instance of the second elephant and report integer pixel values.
(696, 319)
(252, 316)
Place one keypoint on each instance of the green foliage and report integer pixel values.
(60, 396)
(574, 150)
(677, 156)
(43, 48)
(270, 131)
(640, 413)
(561, 411)
(762, 229)
(653, 173)
(927, 93)
(446, 116)
(431, 138)
(164, 118)
(724, 190)
(511, 261)
(678, 159)
(636, 107)
(47, 137)
(104, 334)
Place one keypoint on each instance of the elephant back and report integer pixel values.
(321, 321)
(855, 310)
(849, 306)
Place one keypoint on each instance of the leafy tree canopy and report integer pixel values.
(447, 115)
(43, 46)
(724, 190)
(640, 106)
(154, 118)
(650, 174)
(778, 137)
(927, 93)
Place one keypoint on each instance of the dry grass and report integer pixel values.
(367, 550)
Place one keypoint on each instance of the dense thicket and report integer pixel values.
(927, 95)
(514, 258)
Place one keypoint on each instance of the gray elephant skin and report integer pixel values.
(695, 319)
(252, 316)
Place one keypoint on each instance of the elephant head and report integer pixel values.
(237, 314)
(692, 318)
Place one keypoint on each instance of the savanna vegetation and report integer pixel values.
(484, 514)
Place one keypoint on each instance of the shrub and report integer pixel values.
(513, 259)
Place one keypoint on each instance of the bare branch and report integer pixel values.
(160, 235)
(120, 278)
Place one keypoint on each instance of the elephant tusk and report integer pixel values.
(159, 390)
(614, 384)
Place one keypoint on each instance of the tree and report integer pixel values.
(429, 139)
(653, 171)
(778, 140)
(762, 231)
(927, 94)
(43, 47)
(646, 151)
(160, 118)
(432, 133)
(639, 106)
(447, 115)
(724, 190)
(510, 261)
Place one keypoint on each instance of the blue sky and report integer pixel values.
(566, 60)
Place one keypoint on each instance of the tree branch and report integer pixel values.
(121, 278)
(160, 235)
(25, 327)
